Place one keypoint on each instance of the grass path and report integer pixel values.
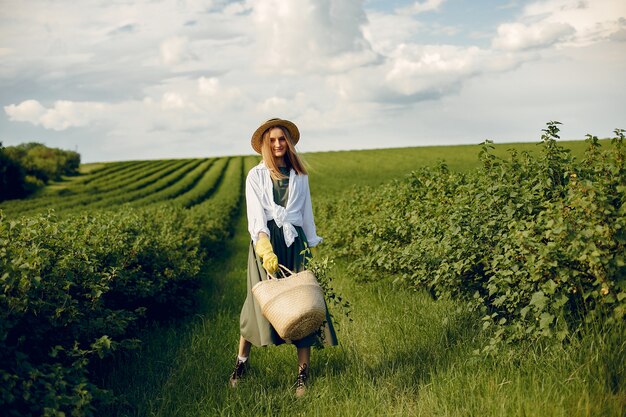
(402, 355)
(183, 370)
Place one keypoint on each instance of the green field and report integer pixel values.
(401, 354)
(332, 172)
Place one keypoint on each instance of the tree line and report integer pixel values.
(27, 167)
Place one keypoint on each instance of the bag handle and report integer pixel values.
(281, 268)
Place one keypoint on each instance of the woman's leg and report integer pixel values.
(304, 358)
(244, 347)
(242, 361)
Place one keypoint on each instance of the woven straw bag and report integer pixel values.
(294, 305)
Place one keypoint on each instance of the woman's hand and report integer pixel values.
(264, 249)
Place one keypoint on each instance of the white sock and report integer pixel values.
(242, 358)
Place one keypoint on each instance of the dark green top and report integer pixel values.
(281, 188)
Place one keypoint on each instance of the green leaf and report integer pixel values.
(545, 320)
(524, 311)
(549, 287)
(538, 300)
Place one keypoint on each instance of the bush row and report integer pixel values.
(146, 185)
(535, 243)
(115, 170)
(128, 177)
(78, 197)
(226, 199)
(184, 184)
(76, 289)
(205, 186)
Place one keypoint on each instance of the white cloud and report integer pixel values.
(310, 36)
(418, 69)
(178, 104)
(619, 36)
(274, 104)
(518, 36)
(172, 101)
(593, 20)
(67, 114)
(208, 86)
(413, 73)
(62, 115)
(237, 8)
(563, 22)
(142, 75)
(385, 31)
(212, 96)
(175, 50)
(422, 6)
(27, 111)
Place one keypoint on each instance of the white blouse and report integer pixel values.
(261, 208)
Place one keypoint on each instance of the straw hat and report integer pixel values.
(257, 136)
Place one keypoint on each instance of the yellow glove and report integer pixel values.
(314, 251)
(264, 249)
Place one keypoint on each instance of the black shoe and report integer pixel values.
(303, 375)
(238, 372)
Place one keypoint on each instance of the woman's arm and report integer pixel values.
(257, 221)
(308, 224)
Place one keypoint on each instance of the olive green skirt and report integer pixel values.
(254, 327)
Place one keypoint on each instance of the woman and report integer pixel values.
(280, 222)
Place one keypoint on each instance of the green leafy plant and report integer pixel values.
(322, 269)
(79, 287)
(535, 243)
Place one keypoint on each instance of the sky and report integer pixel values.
(126, 80)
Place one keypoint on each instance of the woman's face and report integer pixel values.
(278, 143)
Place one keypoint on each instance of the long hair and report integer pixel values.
(292, 159)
